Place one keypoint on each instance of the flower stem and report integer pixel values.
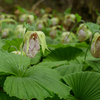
(74, 27)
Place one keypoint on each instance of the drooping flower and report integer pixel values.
(32, 42)
(54, 31)
(20, 30)
(67, 37)
(83, 33)
(41, 24)
(26, 17)
(5, 33)
(69, 19)
(95, 46)
(54, 21)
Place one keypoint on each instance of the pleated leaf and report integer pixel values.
(52, 64)
(30, 82)
(85, 85)
(68, 69)
(67, 53)
(10, 63)
(38, 82)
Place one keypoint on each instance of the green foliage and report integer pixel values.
(97, 12)
(85, 85)
(42, 11)
(22, 10)
(61, 73)
(37, 58)
(28, 83)
(53, 64)
(68, 69)
(12, 45)
(4, 96)
(67, 11)
(67, 53)
(78, 17)
(92, 26)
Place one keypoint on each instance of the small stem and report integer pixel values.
(15, 48)
(74, 27)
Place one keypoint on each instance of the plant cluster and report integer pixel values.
(41, 60)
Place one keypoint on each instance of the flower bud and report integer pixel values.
(32, 42)
(98, 20)
(53, 32)
(26, 17)
(54, 21)
(95, 46)
(41, 24)
(2, 17)
(83, 33)
(20, 31)
(66, 38)
(5, 33)
(46, 16)
(69, 19)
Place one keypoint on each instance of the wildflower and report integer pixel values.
(66, 38)
(32, 42)
(69, 19)
(95, 46)
(83, 33)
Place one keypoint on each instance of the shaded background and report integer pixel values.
(85, 8)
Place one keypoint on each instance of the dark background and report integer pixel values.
(85, 8)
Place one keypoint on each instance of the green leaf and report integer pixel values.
(97, 12)
(52, 64)
(54, 98)
(95, 64)
(67, 53)
(4, 96)
(85, 85)
(92, 26)
(68, 69)
(12, 64)
(42, 11)
(30, 82)
(67, 11)
(38, 82)
(2, 79)
(37, 58)
(78, 17)
(71, 97)
(12, 45)
(22, 10)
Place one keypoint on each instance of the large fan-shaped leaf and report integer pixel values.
(85, 85)
(67, 53)
(38, 82)
(67, 69)
(11, 63)
(30, 82)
